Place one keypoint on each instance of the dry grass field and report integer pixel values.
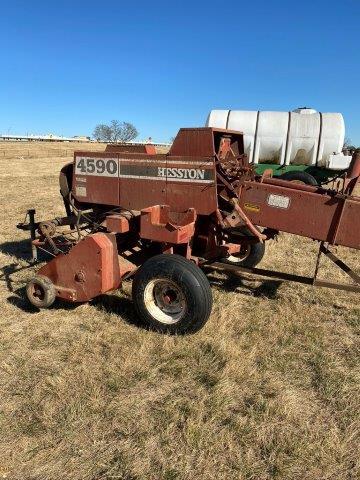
(47, 150)
(269, 389)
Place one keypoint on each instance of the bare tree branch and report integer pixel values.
(115, 132)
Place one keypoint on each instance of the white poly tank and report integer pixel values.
(301, 137)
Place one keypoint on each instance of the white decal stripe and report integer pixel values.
(189, 163)
(130, 161)
(164, 162)
(188, 180)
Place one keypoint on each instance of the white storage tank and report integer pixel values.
(301, 137)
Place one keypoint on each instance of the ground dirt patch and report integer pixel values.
(268, 389)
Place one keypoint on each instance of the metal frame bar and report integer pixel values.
(289, 277)
(345, 268)
(297, 278)
(32, 227)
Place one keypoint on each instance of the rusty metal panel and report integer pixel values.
(193, 142)
(157, 224)
(198, 188)
(117, 223)
(140, 186)
(201, 197)
(139, 194)
(181, 183)
(89, 269)
(186, 180)
(348, 232)
(125, 148)
(302, 212)
(95, 178)
(201, 141)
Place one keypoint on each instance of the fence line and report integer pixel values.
(27, 139)
(28, 153)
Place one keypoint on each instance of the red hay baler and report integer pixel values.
(165, 219)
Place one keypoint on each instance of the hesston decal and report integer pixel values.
(176, 174)
(143, 169)
(191, 173)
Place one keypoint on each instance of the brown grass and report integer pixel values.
(268, 389)
(47, 150)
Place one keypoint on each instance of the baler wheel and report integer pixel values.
(40, 291)
(172, 295)
(248, 257)
(302, 178)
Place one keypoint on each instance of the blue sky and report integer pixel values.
(66, 66)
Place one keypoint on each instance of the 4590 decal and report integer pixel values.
(104, 167)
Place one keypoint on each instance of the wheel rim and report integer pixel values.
(165, 301)
(37, 292)
(241, 256)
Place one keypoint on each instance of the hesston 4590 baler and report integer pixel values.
(164, 219)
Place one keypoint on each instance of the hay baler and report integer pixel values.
(165, 219)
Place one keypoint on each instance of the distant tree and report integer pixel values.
(123, 132)
(102, 133)
(349, 146)
(347, 142)
(115, 132)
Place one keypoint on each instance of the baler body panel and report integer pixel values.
(182, 183)
(95, 178)
(137, 181)
(184, 178)
(349, 225)
(88, 270)
(136, 189)
(205, 141)
(325, 217)
(199, 192)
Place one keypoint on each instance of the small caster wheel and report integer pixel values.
(40, 291)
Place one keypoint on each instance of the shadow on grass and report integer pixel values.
(231, 283)
(7, 271)
(19, 300)
(21, 250)
(123, 307)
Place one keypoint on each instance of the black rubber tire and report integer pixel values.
(43, 285)
(302, 177)
(255, 255)
(194, 287)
